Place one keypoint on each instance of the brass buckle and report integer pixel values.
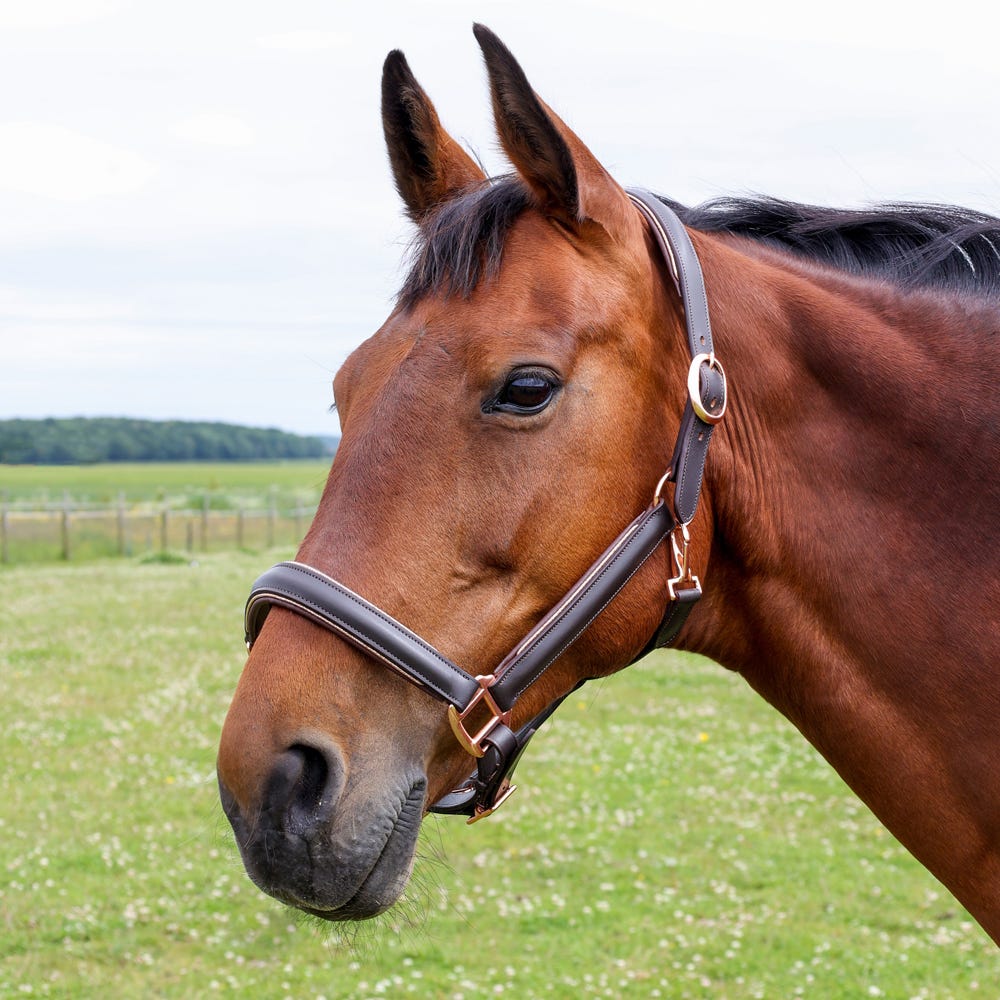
(473, 744)
(694, 388)
(680, 554)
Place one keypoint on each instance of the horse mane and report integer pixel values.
(913, 246)
(910, 245)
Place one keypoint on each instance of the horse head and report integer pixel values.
(515, 410)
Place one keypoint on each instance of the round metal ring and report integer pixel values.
(694, 388)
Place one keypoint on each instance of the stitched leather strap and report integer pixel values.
(588, 597)
(317, 596)
(328, 603)
(688, 461)
(322, 599)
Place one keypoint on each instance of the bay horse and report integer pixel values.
(542, 396)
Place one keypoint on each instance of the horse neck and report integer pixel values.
(838, 470)
(854, 577)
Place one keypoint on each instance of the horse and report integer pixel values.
(524, 498)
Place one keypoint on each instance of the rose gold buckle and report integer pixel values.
(680, 554)
(505, 791)
(473, 744)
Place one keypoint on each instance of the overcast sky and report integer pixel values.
(196, 215)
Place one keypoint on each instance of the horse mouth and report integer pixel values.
(331, 874)
(388, 876)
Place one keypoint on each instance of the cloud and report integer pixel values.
(56, 13)
(304, 40)
(19, 305)
(214, 129)
(56, 162)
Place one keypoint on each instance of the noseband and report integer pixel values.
(480, 707)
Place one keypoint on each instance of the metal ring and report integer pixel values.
(667, 477)
(694, 388)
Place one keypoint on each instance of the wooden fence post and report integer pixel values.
(122, 543)
(67, 549)
(204, 521)
(272, 517)
(164, 528)
(4, 529)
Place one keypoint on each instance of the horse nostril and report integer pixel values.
(302, 788)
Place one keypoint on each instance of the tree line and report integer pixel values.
(85, 440)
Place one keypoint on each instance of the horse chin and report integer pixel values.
(353, 868)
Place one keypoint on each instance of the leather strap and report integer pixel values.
(688, 461)
(584, 601)
(316, 596)
(685, 268)
(673, 621)
(328, 603)
(493, 769)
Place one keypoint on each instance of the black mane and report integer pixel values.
(462, 242)
(910, 245)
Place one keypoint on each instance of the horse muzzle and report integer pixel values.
(314, 845)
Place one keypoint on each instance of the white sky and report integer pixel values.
(197, 218)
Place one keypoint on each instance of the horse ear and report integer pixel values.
(429, 167)
(561, 171)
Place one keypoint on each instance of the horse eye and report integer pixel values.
(525, 393)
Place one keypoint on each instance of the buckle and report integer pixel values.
(679, 549)
(473, 743)
(504, 792)
(694, 388)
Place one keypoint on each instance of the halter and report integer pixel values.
(480, 707)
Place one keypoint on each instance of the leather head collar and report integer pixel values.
(479, 707)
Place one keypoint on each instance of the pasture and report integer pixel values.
(673, 836)
(86, 511)
(160, 481)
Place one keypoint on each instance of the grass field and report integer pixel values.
(159, 481)
(672, 837)
(82, 512)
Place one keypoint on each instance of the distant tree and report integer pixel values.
(83, 440)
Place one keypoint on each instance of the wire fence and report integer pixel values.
(72, 530)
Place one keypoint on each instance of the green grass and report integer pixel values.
(672, 836)
(158, 481)
(117, 507)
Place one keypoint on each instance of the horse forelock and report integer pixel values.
(461, 243)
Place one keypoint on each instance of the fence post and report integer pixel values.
(67, 549)
(164, 528)
(239, 527)
(189, 524)
(204, 521)
(272, 517)
(4, 529)
(122, 543)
